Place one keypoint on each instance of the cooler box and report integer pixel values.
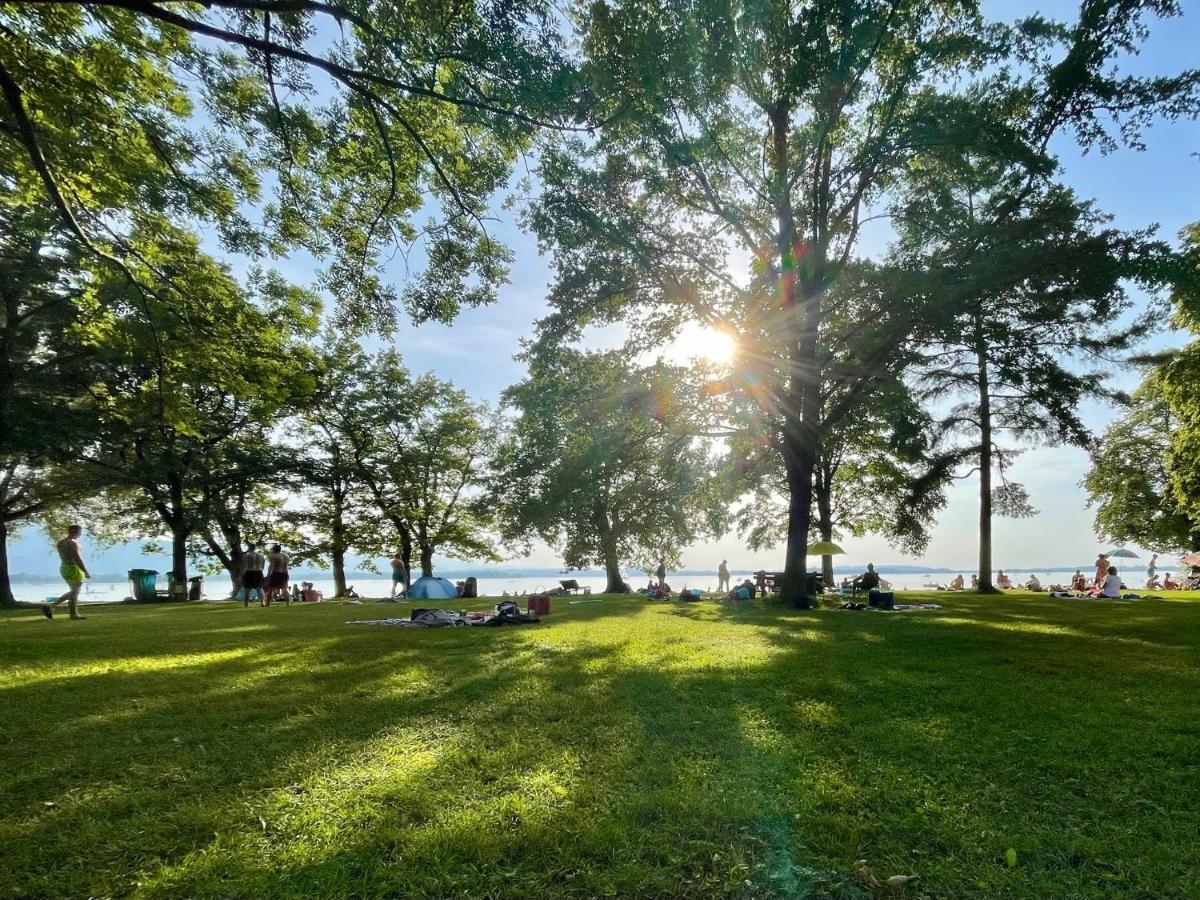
(539, 605)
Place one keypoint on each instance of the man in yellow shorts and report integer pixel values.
(73, 571)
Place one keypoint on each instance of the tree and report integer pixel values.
(1179, 377)
(342, 129)
(184, 391)
(340, 514)
(771, 131)
(39, 280)
(421, 450)
(1129, 481)
(1026, 278)
(604, 462)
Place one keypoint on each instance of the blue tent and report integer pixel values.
(430, 587)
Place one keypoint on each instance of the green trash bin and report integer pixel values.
(142, 585)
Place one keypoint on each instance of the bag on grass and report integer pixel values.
(882, 599)
(436, 618)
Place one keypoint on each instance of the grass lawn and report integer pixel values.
(621, 748)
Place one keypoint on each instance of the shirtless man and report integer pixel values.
(277, 576)
(73, 570)
(252, 574)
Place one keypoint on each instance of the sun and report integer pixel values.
(701, 342)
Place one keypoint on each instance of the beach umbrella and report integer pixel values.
(1122, 553)
(824, 548)
(1192, 559)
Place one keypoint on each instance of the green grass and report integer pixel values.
(622, 748)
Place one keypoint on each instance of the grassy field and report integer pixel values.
(998, 747)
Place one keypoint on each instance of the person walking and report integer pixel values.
(252, 573)
(723, 577)
(73, 571)
(1152, 567)
(277, 575)
(661, 572)
(399, 576)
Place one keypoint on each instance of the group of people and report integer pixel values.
(268, 586)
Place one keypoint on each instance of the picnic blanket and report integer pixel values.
(899, 607)
(506, 613)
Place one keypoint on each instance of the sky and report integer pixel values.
(1159, 186)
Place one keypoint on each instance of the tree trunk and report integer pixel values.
(179, 554)
(406, 552)
(608, 545)
(337, 549)
(426, 560)
(799, 475)
(985, 471)
(339, 571)
(6, 594)
(801, 403)
(179, 534)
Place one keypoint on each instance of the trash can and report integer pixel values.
(142, 585)
(196, 588)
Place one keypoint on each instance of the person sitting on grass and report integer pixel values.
(1032, 584)
(956, 583)
(1078, 581)
(1111, 588)
(1152, 583)
(740, 593)
(1003, 581)
(1169, 584)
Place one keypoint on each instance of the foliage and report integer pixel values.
(281, 753)
(1027, 281)
(605, 462)
(420, 449)
(39, 280)
(347, 130)
(1130, 483)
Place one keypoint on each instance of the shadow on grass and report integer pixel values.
(628, 749)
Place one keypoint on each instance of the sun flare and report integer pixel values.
(700, 342)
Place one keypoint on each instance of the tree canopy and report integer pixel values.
(743, 147)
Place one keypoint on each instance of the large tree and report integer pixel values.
(1027, 281)
(606, 461)
(769, 131)
(184, 392)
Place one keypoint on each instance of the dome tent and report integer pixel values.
(430, 587)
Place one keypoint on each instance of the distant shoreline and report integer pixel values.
(500, 574)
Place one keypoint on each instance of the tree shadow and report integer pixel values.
(658, 752)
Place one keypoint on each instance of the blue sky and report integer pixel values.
(1158, 186)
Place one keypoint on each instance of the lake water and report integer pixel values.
(217, 587)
